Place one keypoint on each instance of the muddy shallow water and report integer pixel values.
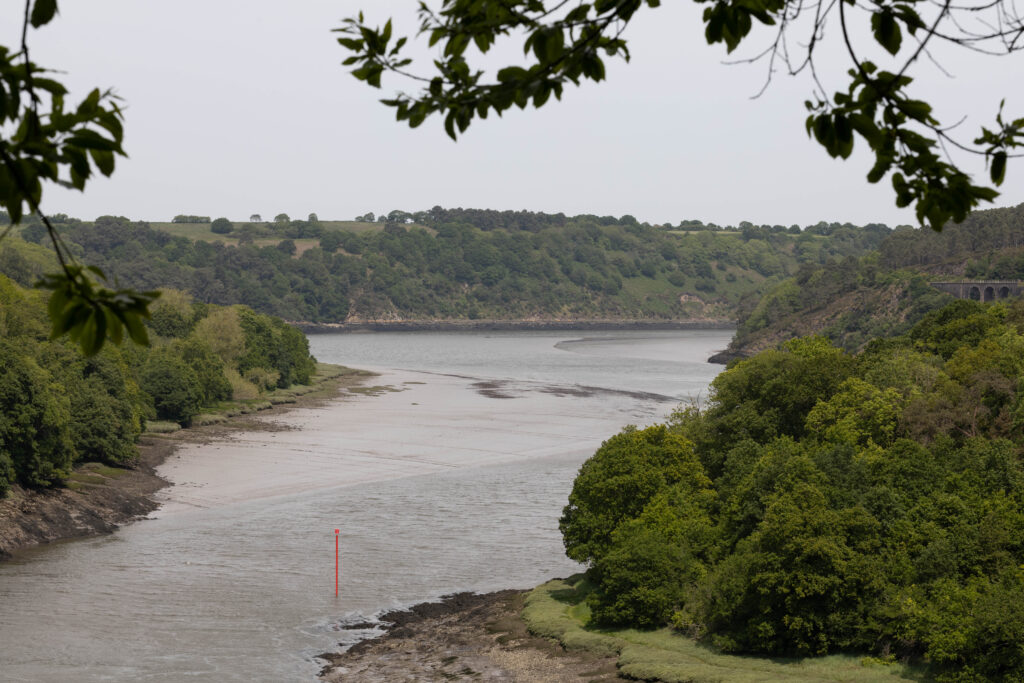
(449, 477)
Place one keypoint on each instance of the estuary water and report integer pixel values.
(449, 475)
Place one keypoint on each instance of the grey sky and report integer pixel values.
(238, 107)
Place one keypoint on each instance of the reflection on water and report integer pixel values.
(436, 489)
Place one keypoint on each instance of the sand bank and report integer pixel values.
(409, 424)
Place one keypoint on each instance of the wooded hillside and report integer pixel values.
(883, 293)
(462, 265)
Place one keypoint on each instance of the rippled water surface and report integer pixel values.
(451, 480)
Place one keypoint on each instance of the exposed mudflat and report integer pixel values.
(30, 518)
(464, 637)
(542, 324)
(99, 499)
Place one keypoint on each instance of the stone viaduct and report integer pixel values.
(981, 290)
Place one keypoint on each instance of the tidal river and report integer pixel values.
(449, 477)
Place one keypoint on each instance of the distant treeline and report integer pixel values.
(465, 264)
(535, 221)
(58, 408)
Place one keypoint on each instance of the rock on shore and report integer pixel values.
(464, 637)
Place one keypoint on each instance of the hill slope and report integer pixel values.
(885, 292)
(466, 265)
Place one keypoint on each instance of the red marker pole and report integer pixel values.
(336, 532)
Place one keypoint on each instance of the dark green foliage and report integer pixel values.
(211, 384)
(489, 264)
(271, 344)
(221, 226)
(35, 441)
(168, 321)
(770, 394)
(618, 482)
(640, 581)
(58, 407)
(106, 407)
(330, 242)
(35, 232)
(172, 385)
(835, 503)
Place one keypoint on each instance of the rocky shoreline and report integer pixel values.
(466, 636)
(727, 356)
(99, 499)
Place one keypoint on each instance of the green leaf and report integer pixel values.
(887, 31)
(916, 109)
(114, 326)
(998, 170)
(353, 44)
(136, 330)
(42, 12)
(104, 160)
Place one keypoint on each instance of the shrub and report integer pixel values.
(172, 385)
(221, 226)
(34, 423)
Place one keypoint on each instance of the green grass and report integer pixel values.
(92, 474)
(193, 231)
(161, 426)
(201, 231)
(557, 610)
(103, 470)
(85, 479)
(203, 419)
(220, 412)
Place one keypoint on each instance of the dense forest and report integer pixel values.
(451, 264)
(826, 502)
(58, 408)
(883, 293)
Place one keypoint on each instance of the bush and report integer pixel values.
(221, 226)
(171, 315)
(211, 383)
(34, 423)
(617, 483)
(172, 385)
(105, 402)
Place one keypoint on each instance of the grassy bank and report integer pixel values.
(322, 383)
(558, 610)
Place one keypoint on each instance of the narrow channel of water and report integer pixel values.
(451, 480)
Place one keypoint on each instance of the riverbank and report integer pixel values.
(464, 636)
(97, 498)
(553, 325)
(542, 635)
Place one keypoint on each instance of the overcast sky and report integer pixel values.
(238, 107)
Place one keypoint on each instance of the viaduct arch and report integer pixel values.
(981, 290)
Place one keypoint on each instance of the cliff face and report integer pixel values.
(850, 319)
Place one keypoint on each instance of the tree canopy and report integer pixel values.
(825, 502)
(565, 43)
